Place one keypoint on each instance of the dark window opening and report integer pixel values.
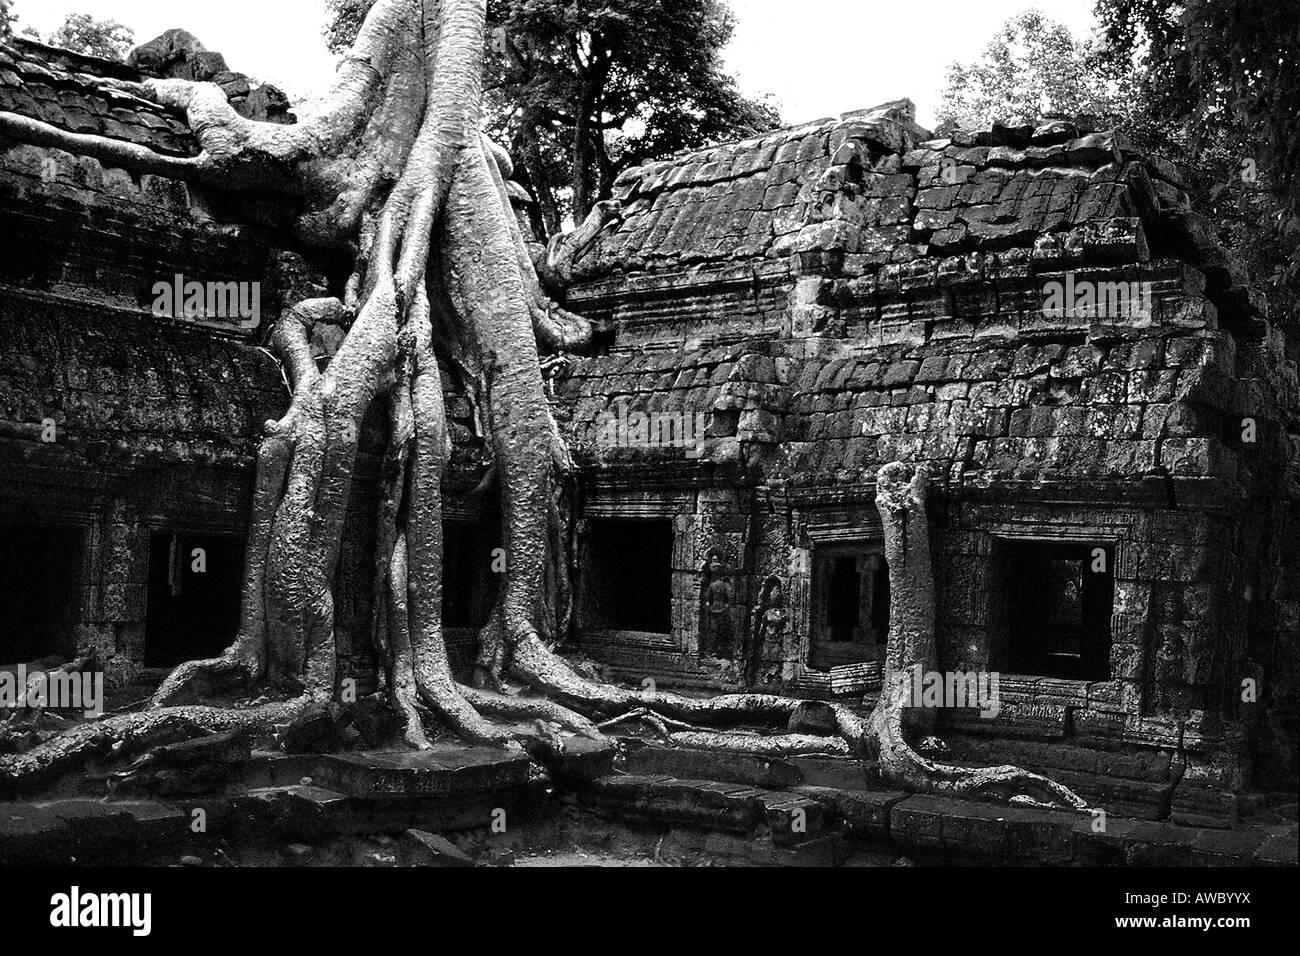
(850, 604)
(193, 604)
(40, 593)
(1059, 598)
(843, 597)
(627, 576)
(469, 583)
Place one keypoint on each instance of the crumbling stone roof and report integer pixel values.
(920, 257)
(91, 95)
(59, 88)
(977, 410)
(871, 189)
(737, 200)
(865, 293)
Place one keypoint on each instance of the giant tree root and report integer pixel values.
(127, 735)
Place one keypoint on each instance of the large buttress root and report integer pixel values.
(129, 734)
(487, 289)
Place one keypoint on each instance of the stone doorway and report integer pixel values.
(193, 596)
(40, 591)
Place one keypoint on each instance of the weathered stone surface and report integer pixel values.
(442, 770)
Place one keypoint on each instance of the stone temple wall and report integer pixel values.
(120, 426)
(832, 297)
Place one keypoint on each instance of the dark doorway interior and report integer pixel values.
(850, 610)
(40, 591)
(193, 609)
(627, 577)
(469, 585)
(1059, 600)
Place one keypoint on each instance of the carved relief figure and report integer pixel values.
(716, 632)
(771, 620)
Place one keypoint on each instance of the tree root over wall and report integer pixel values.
(393, 168)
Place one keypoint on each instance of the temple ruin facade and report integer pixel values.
(1036, 315)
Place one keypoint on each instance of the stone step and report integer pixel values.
(732, 807)
(789, 818)
(1122, 783)
(955, 829)
(795, 820)
(300, 810)
(309, 812)
(1118, 796)
(583, 760)
(863, 813)
(87, 830)
(1151, 766)
(765, 772)
(443, 770)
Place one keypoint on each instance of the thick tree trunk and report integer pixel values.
(543, 191)
(585, 122)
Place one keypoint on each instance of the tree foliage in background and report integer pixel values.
(1033, 66)
(583, 89)
(79, 32)
(1221, 80)
(82, 33)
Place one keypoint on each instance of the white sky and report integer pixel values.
(816, 57)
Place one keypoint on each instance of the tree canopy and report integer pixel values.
(79, 32)
(82, 33)
(1033, 66)
(583, 90)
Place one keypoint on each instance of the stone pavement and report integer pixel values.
(795, 810)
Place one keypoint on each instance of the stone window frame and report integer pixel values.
(677, 507)
(843, 518)
(117, 518)
(1108, 528)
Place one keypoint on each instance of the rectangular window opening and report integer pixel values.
(627, 575)
(850, 604)
(1058, 601)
